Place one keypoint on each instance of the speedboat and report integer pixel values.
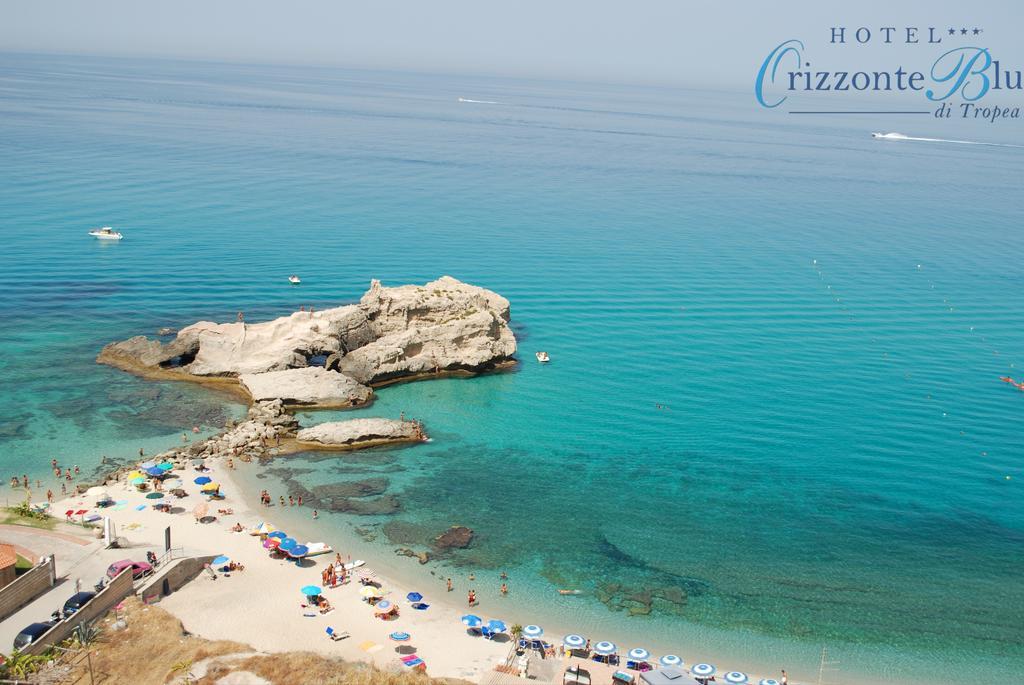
(543, 357)
(888, 136)
(105, 233)
(294, 280)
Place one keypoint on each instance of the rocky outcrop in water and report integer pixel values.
(309, 386)
(410, 331)
(360, 433)
(456, 537)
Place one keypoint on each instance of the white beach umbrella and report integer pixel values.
(605, 648)
(532, 631)
(670, 660)
(638, 654)
(574, 641)
(736, 677)
(703, 670)
(767, 681)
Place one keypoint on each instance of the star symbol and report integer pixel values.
(977, 31)
(963, 32)
(952, 32)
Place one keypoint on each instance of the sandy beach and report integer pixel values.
(263, 606)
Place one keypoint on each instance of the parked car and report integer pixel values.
(77, 601)
(139, 568)
(31, 633)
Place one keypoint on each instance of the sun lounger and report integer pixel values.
(413, 661)
(335, 635)
(621, 677)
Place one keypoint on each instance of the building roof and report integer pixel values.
(8, 557)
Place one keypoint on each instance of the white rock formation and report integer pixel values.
(357, 431)
(311, 385)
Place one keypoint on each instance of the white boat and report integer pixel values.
(888, 136)
(105, 233)
(317, 548)
(543, 357)
(294, 280)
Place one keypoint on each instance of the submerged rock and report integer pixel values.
(456, 537)
(354, 488)
(360, 433)
(313, 385)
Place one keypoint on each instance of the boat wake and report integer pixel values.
(479, 102)
(901, 136)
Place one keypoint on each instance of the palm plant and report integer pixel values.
(21, 665)
(85, 633)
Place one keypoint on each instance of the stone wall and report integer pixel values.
(27, 587)
(172, 577)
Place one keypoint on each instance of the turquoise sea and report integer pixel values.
(773, 421)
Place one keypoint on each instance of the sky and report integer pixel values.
(644, 41)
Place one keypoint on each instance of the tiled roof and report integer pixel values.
(8, 557)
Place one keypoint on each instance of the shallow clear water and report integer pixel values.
(767, 454)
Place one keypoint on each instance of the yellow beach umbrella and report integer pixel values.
(136, 474)
(210, 486)
(370, 591)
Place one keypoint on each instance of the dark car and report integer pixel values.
(31, 633)
(77, 601)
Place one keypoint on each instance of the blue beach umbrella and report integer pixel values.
(574, 641)
(472, 620)
(496, 626)
(222, 560)
(400, 636)
(287, 544)
(279, 534)
(147, 465)
(767, 681)
(735, 677)
(383, 604)
(203, 480)
(298, 551)
(605, 648)
(153, 471)
(311, 590)
(532, 631)
(638, 654)
(670, 660)
(414, 597)
(165, 466)
(703, 670)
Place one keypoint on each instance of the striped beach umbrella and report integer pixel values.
(574, 641)
(670, 660)
(767, 681)
(532, 631)
(400, 636)
(496, 626)
(638, 654)
(472, 620)
(202, 480)
(735, 677)
(605, 648)
(703, 670)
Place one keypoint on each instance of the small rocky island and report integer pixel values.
(331, 358)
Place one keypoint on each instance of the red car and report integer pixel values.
(139, 568)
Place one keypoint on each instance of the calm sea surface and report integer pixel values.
(773, 421)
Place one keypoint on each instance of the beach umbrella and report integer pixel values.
(202, 480)
(311, 590)
(134, 474)
(472, 621)
(287, 544)
(370, 591)
(605, 648)
(532, 631)
(574, 641)
(155, 495)
(414, 597)
(165, 466)
(298, 551)
(147, 465)
(383, 605)
(265, 529)
(703, 670)
(138, 480)
(271, 543)
(200, 510)
(153, 471)
(222, 560)
(638, 654)
(670, 660)
(210, 487)
(496, 626)
(278, 534)
(735, 677)
(767, 681)
(399, 636)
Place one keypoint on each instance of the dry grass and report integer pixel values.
(154, 643)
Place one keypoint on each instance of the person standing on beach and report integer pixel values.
(49, 496)
(315, 515)
(785, 678)
(471, 598)
(300, 500)
(291, 501)
(449, 585)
